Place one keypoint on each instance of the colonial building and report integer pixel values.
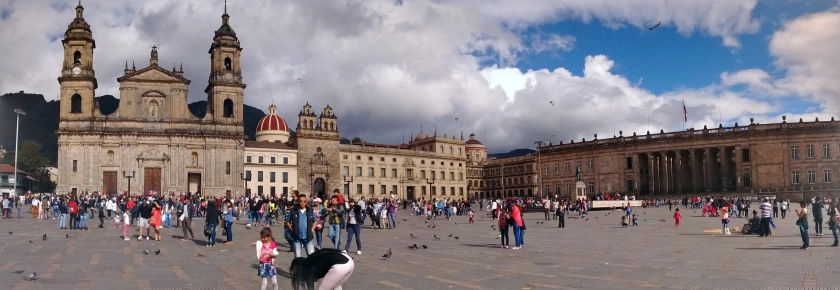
(781, 158)
(11, 186)
(428, 166)
(270, 162)
(152, 137)
(505, 177)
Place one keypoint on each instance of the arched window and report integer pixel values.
(77, 57)
(450, 150)
(228, 109)
(332, 126)
(481, 183)
(195, 159)
(227, 63)
(459, 151)
(311, 125)
(441, 149)
(76, 104)
(521, 180)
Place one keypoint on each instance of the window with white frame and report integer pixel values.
(794, 177)
(812, 177)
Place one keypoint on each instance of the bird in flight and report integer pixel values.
(551, 102)
(456, 119)
(388, 254)
(655, 26)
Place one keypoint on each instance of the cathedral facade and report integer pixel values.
(152, 141)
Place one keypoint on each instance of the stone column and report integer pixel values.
(708, 168)
(692, 168)
(678, 173)
(739, 178)
(637, 180)
(724, 169)
(663, 172)
(651, 174)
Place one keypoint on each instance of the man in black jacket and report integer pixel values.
(301, 223)
(145, 214)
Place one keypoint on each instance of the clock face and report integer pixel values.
(77, 70)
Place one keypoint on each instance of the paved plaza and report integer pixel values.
(588, 254)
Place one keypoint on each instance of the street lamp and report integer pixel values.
(17, 128)
(129, 177)
(430, 182)
(347, 182)
(246, 178)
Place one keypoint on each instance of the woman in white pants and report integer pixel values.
(330, 264)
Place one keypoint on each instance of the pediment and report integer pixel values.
(153, 74)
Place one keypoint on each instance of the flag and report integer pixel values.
(685, 113)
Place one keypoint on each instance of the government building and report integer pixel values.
(152, 141)
(796, 160)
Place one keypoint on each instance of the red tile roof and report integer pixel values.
(6, 168)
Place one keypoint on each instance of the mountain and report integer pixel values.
(512, 153)
(41, 120)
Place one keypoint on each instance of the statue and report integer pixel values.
(577, 173)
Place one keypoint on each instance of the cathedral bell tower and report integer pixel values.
(225, 97)
(77, 80)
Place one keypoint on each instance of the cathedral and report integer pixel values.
(152, 141)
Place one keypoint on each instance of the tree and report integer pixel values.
(357, 139)
(31, 160)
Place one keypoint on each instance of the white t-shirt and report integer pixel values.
(36, 202)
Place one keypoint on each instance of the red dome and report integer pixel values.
(272, 122)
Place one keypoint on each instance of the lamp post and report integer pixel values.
(430, 182)
(18, 112)
(129, 177)
(246, 178)
(347, 182)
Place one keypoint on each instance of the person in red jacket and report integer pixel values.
(73, 209)
(515, 213)
(677, 217)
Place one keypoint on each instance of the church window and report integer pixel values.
(75, 168)
(441, 149)
(77, 57)
(76, 104)
(459, 151)
(228, 108)
(332, 126)
(227, 63)
(450, 150)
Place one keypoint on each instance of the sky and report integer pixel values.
(512, 72)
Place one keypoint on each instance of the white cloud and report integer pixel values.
(806, 48)
(552, 42)
(384, 68)
(757, 81)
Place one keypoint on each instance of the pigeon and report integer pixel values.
(413, 237)
(654, 27)
(456, 238)
(450, 235)
(436, 238)
(30, 241)
(405, 220)
(199, 255)
(387, 254)
(425, 221)
(146, 252)
(44, 237)
(157, 252)
(424, 246)
(429, 226)
(66, 236)
(413, 247)
(456, 223)
(596, 218)
(434, 225)
(10, 233)
(493, 227)
(31, 277)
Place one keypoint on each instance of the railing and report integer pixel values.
(798, 189)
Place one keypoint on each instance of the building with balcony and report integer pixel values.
(9, 186)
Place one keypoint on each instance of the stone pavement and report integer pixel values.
(587, 254)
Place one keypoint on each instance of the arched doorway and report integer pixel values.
(318, 188)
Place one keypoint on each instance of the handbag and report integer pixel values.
(183, 215)
(207, 230)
